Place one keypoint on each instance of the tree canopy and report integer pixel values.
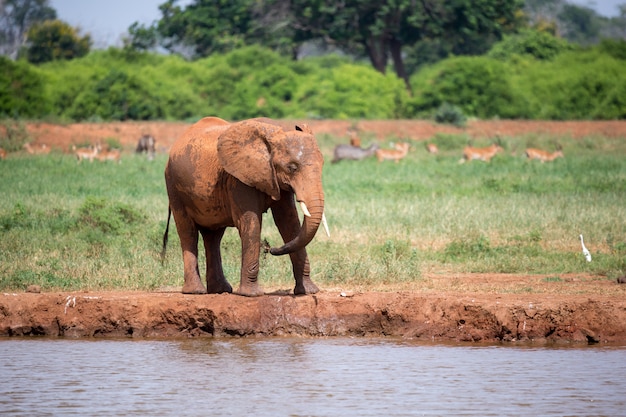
(380, 31)
(16, 18)
(54, 39)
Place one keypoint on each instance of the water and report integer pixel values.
(306, 377)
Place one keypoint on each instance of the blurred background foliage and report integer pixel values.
(528, 59)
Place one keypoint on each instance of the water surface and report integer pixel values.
(306, 377)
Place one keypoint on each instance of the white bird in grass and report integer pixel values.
(585, 251)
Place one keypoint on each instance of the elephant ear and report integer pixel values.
(304, 128)
(244, 152)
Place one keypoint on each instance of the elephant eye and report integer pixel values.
(292, 167)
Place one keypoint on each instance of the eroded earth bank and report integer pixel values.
(430, 317)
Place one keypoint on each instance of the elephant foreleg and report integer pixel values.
(250, 234)
(302, 273)
(215, 280)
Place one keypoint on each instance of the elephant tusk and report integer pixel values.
(304, 209)
(325, 224)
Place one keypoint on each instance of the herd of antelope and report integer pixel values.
(354, 151)
(146, 144)
(96, 152)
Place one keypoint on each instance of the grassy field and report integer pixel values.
(69, 226)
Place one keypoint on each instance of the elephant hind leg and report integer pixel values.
(215, 280)
(188, 234)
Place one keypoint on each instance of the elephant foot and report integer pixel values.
(219, 287)
(306, 287)
(250, 290)
(194, 287)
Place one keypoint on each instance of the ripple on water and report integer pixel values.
(306, 377)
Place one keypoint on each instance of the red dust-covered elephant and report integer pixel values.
(222, 174)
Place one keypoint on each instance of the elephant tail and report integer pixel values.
(167, 228)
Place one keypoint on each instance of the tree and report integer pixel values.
(21, 90)
(616, 27)
(580, 24)
(16, 18)
(53, 39)
(540, 12)
(208, 26)
(575, 23)
(382, 30)
(379, 30)
(141, 38)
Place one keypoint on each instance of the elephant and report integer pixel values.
(221, 174)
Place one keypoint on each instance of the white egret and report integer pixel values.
(585, 251)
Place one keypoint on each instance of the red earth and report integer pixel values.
(494, 308)
(62, 137)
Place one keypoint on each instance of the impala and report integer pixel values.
(86, 153)
(483, 154)
(3, 154)
(110, 155)
(354, 139)
(432, 148)
(393, 154)
(34, 149)
(543, 156)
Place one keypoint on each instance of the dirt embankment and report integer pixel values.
(439, 317)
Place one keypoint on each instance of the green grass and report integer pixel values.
(69, 226)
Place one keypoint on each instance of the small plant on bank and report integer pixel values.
(13, 135)
(112, 143)
(450, 114)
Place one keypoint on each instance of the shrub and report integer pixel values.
(13, 135)
(117, 96)
(447, 113)
(107, 217)
(614, 47)
(21, 90)
(249, 82)
(581, 85)
(351, 91)
(478, 86)
(112, 143)
(538, 44)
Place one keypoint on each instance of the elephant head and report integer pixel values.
(264, 156)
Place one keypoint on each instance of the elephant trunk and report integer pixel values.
(311, 223)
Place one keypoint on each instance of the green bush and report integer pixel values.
(250, 82)
(117, 96)
(98, 213)
(538, 44)
(580, 85)
(447, 113)
(13, 135)
(351, 91)
(21, 90)
(479, 86)
(614, 47)
(246, 83)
